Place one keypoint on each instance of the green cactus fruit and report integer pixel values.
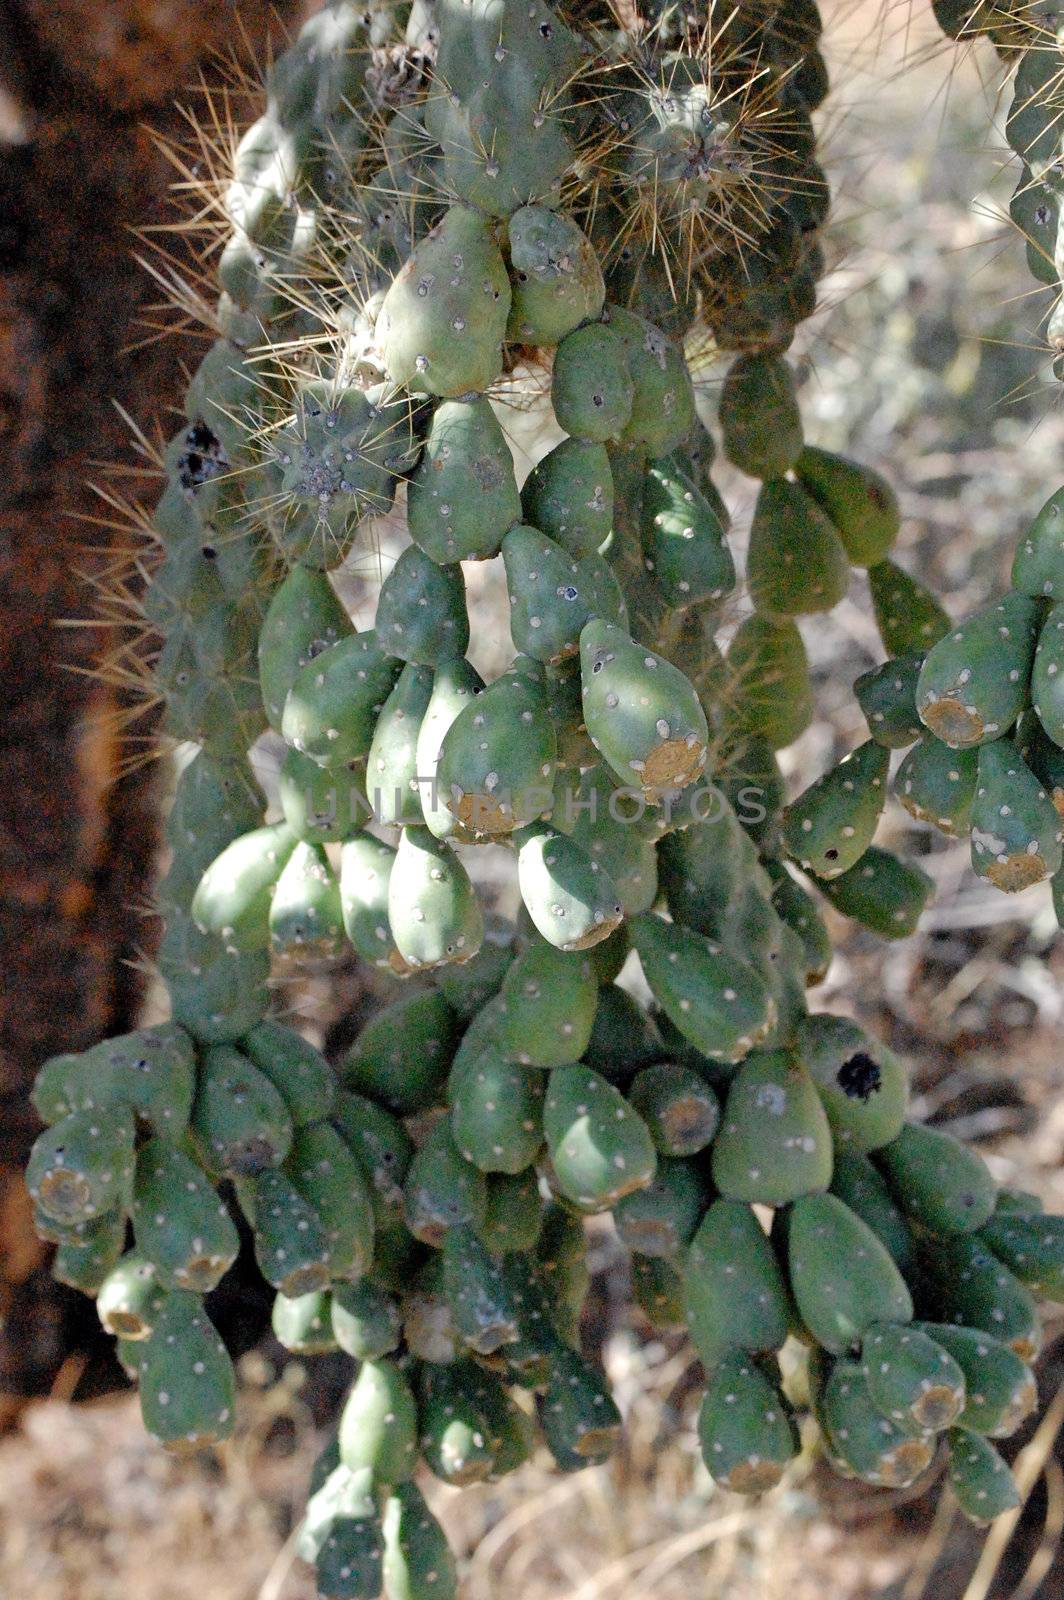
(442, 1189)
(974, 682)
(769, 693)
(130, 1299)
(911, 1378)
(240, 1123)
(391, 767)
(365, 873)
(348, 1565)
(552, 595)
(965, 1283)
(293, 1247)
(861, 1082)
(496, 1110)
(982, 1483)
(745, 1431)
(304, 618)
(496, 761)
(678, 1106)
(774, 1142)
(187, 1386)
(300, 1073)
(421, 611)
(1012, 1201)
(417, 1559)
(624, 1038)
(715, 1000)
(402, 1055)
(1047, 679)
(433, 910)
(684, 543)
(304, 1324)
(328, 1177)
(938, 1180)
(234, 894)
(335, 700)
(180, 1224)
(443, 320)
(151, 1071)
(90, 1251)
(881, 892)
(604, 821)
(380, 1145)
(867, 1443)
(663, 403)
(379, 1425)
(599, 1148)
(761, 425)
(327, 1486)
(568, 495)
(321, 805)
(365, 1320)
(887, 697)
(454, 685)
(734, 1293)
(795, 907)
(908, 616)
(514, 1215)
(548, 1002)
(213, 805)
(579, 1420)
(662, 1218)
(796, 563)
(462, 495)
(454, 1433)
(1000, 1389)
(1016, 829)
(216, 995)
(572, 902)
(305, 916)
(830, 825)
(657, 1289)
(1032, 1247)
(642, 714)
(860, 502)
(592, 389)
(556, 278)
(468, 987)
(862, 1187)
(1038, 566)
(64, 1084)
(82, 1166)
(937, 785)
(480, 1296)
(842, 1278)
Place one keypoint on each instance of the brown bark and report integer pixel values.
(79, 81)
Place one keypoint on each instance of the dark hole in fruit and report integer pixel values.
(860, 1077)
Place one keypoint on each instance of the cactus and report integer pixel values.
(557, 197)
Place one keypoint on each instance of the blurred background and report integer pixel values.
(926, 359)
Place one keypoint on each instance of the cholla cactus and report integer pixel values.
(419, 222)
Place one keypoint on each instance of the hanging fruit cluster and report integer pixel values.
(420, 223)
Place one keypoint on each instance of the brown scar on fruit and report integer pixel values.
(954, 722)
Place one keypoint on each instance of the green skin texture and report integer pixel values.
(663, 403)
(937, 1180)
(187, 1386)
(887, 696)
(967, 1284)
(580, 1422)
(365, 873)
(129, 1298)
(1016, 830)
(421, 610)
(661, 1219)
(745, 1433)
(1047, 676)
(770, 689)
(796, 564)
(907, 614)
(378, 1426)
(591, 387)
(433, 909)
(305, 917)
(300, 1073)
(717, 1002)
(547, 1007)
(643, 715)
(333, 704)
(557, 278)
(882, 892)
(830, 826)
(775, 1141)
(599, 1148)
(365, 1320)
(402, 1056)
(859, 502)
(734, 1293)
(552, 596)
(864, 1099)
(304, 1325)
(861, 1186)
(453, 686)
(842, 1278)
(82, 1166)
(1032, 1247)
(292, 1245)
(1038, 566)
(869, 1445)
(975, 681)
(484, 1310)
(759, 417)
(150, 1072)
(179, 1223)
(982, 1483)
(462, 496)
(234, 894)
(240, 1123)
(684, 544)
(391, 765)
(569, 496)
(937, 785)
(573, 903)
(679, 1108)
(1000, 1390)
(912, 1379)
(442, 1190)
(415, 1546)
(497, 757)
(513, 1218)
(328, 1177)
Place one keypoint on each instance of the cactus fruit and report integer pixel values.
(982, 1483)
(549, 208)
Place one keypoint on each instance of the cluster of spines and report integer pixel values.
(453, 1268)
